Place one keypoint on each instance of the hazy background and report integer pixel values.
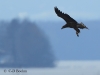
(31, 35)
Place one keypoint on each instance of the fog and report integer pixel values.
(62, 68)
(41, 48)
(24, 44)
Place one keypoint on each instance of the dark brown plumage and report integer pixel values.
(70, 22)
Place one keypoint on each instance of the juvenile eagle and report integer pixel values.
(70, 22)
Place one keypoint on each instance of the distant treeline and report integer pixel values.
(23, 44)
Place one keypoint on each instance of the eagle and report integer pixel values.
(70, 22)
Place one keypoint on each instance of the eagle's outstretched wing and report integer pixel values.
(66, 17)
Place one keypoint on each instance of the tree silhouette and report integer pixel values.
(27, 46)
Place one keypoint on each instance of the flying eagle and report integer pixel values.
(70, 22)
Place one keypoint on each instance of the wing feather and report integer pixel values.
(66, 17)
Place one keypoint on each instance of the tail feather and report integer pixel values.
(82, 26)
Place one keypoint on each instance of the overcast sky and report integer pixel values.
(44, 9)
(63, 42)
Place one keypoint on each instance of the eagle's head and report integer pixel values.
(65, 26)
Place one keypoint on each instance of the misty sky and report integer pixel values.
(44, 9)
